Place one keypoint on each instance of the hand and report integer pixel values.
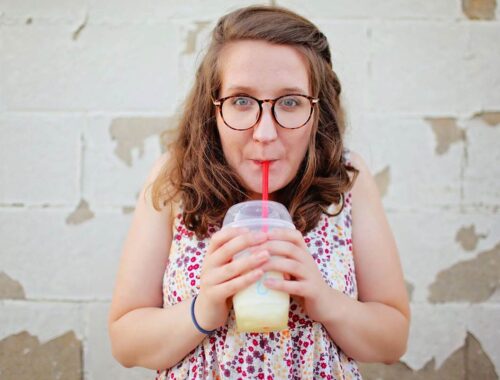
(221, 277)
(290, 256)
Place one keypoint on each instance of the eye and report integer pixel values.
(242, 101)
(290, 101)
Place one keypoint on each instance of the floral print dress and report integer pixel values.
(303, 351)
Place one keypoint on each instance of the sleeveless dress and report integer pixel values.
(304, 351)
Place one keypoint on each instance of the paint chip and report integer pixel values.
(474, 280)
(479, 9)
(468, 362)
(10, 288)
(383, 179)
(128, 209)
(490, 118)
(23, 357)
(468, 238)
(193, 35)
(130, 133)
(446, 132)
(409, 288)
(81, 214)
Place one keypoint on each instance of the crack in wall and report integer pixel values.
(79, 29)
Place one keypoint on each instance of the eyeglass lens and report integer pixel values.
(242, 112)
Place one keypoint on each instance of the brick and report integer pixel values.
(115, 171)
(55, 11)
(370, 9)
(90, 67)
(349, 47)
(157, 10)
(482, 89)
(46, 320)
(58, 261)
(40, 158)
(481, 170)
(419, 177)
(418, 68)
(99, 362)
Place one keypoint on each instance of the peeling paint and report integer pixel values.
(409, 288)
(474, 280)
(446, 132)
(80, 28)
(383, 179)
(468, 238)
(128, 210)
(22, 357)
(479, 9)
(468, 362)
(81, 214)
(10, 288)
(193, 35)
(490, 118)
(130, 133)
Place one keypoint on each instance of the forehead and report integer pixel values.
(264, 67)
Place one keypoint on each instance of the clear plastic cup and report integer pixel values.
(258, 308)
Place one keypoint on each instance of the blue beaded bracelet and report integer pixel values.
(200, 329)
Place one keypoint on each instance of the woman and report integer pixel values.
(265, 91)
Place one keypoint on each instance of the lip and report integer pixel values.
(259, 162)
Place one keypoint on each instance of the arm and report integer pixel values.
(375, 328)
(142, 333)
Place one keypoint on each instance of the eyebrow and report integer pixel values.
(250, 89)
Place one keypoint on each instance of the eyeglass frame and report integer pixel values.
(219, 102)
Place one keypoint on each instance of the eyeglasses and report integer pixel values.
(242, 112)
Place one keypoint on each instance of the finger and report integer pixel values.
(285, 249)
(237, 244)
(229, 288)
(287, 234)
(238, 267)
(223, 236)
(291, 287)
(284, 265)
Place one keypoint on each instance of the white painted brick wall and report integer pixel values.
(40, 155)
(69, 68)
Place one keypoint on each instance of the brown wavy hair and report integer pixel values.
(197, 173)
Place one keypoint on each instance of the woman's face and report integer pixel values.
(264, 71)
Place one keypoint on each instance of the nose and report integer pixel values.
(266, 130)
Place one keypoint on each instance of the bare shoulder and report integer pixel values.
(378, 268)
(145, 252)
(364, 185)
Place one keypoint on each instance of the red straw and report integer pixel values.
(265, 192)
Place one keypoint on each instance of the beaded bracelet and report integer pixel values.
(200, 329)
